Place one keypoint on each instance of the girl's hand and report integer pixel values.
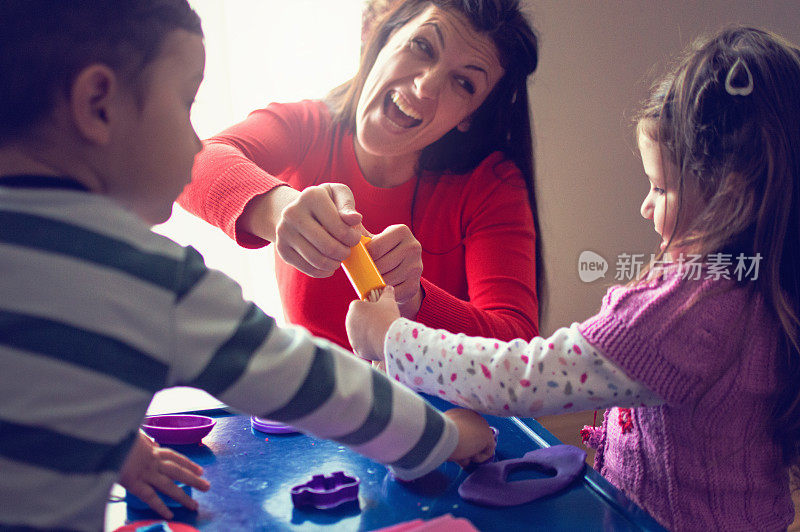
(398, 256)
(475, 439)
(148, 468)
(367, 324)
(316, 230)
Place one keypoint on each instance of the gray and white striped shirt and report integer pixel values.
(97, 313)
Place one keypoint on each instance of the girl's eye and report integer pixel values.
(423, 46)
(466, 84)
(659, 191)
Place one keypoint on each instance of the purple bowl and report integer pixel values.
(177, 429)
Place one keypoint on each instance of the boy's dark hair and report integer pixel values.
(44, 44)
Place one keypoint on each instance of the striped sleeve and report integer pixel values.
(82, 350)
(98, 313)
(230, 348)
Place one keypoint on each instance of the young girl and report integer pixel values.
(699, 365)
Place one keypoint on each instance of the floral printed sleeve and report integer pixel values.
(563, 373)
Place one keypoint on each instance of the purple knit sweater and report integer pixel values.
(704, 459)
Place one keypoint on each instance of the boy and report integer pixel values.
(97, 312)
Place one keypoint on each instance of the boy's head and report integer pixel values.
(101, 90)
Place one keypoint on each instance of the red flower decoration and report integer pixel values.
(625, 420)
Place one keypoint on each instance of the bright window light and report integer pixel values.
(257, 52)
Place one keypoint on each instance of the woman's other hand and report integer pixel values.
(398, 256)
(367, 324)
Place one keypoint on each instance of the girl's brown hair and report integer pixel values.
(728, 117)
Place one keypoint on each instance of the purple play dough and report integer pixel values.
(489, 485)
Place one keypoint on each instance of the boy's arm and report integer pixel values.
(231, 349)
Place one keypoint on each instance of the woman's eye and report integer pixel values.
(466, 85)
(423, 46)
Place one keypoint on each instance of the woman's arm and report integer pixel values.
(241, 164)
(236, 187)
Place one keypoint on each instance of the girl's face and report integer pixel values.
(661, 203)
(431, 75)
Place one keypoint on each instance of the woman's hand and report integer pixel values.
(315, 232)
(367, 324)
(312, 230)
(148, 468)
(476, 441)
(398, 256)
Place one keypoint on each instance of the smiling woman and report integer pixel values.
(428, 149)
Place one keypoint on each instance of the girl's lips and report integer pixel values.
(399, 112)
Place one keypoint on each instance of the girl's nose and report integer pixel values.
(647, 207)
(428, 83)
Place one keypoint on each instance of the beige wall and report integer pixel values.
(596, 62)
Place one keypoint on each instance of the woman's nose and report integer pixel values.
(428, 83)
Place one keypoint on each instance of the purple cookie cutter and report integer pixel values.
(270, 427)
(325, 492)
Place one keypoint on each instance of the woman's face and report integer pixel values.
(431, 75)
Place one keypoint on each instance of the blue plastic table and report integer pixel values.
(251, 474)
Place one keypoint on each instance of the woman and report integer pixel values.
(428, 148)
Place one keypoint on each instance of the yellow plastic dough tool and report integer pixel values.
(362, 272)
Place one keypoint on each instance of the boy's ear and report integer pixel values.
(464, 125)
(93, 97)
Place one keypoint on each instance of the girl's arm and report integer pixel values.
(563, 373)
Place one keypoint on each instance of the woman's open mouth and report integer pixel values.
(398, 111)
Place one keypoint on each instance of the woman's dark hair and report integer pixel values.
(44, 44)
(502, 123)
(728, 117)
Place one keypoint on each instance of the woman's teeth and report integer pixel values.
(404, 108)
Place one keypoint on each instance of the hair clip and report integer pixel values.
(735, 75)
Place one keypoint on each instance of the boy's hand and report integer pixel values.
(148, 468)
(475, 439)
(367, 323)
